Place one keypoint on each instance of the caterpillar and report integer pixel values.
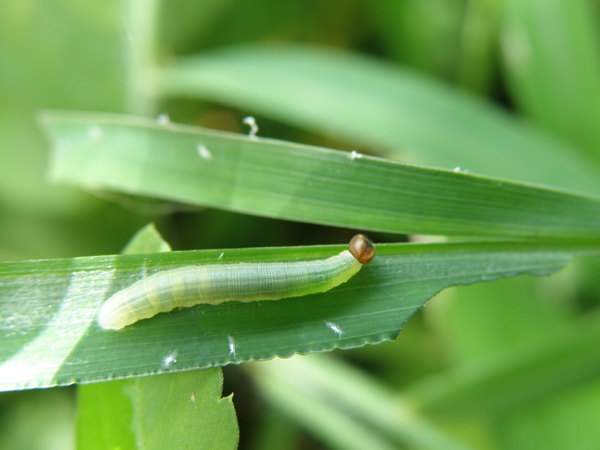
(244, 282)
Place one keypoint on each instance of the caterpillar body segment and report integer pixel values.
(245, 282)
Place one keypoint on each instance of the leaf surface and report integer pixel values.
(48, 309)
(303, 183)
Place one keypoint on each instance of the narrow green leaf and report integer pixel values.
(310, 184)
(48, 308)
(390, 109)
(320, 418)
(332, 384)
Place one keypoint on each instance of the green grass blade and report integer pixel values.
(320, 418)
(337, 385)
(48, 308)
(371, 103)
(303, 183)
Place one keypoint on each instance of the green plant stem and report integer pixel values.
(141, 29)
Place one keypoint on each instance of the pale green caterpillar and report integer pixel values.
(243, 282)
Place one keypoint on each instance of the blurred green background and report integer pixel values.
(79, 54)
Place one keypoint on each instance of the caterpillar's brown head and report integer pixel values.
(362, 249)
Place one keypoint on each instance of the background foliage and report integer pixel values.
(505, 88)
